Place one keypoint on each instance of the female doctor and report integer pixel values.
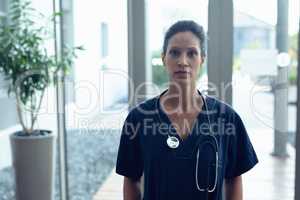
(186, 144)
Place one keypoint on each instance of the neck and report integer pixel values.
(185, 97)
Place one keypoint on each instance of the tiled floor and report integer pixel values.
(271, 179)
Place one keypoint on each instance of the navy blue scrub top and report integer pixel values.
(170, 174)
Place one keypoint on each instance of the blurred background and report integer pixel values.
(123, 43)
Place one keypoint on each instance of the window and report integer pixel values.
(2, 9)
(104, 40)
(3, 93)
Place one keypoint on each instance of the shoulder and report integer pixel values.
(220, 107)
(143, 110)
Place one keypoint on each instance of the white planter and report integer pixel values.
(33, 162)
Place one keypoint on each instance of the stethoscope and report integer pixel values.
(173, 143)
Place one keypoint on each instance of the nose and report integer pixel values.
(183, 60)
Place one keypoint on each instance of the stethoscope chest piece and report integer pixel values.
(172, 142)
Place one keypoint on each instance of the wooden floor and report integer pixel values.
(111, 189)
(271, 179)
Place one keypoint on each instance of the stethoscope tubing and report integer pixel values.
(217, 156)
(198, 152)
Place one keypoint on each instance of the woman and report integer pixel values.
(185, 143)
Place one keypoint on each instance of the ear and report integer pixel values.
(162, 55)
(202, 60)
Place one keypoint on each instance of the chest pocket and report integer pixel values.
(181, 178)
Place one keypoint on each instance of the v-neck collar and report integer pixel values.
(191, 138)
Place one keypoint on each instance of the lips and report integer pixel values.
(182, 72)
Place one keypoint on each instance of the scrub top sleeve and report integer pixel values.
(129, 160)
(241, 155)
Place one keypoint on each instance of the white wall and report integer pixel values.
(94, 92)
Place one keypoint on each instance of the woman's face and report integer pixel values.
(183, 57)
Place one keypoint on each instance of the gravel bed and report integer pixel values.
(91, 158)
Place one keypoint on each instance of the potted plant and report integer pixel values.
(29, 69)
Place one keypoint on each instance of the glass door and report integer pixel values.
(96, 103)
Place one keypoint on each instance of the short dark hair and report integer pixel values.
(184, 26)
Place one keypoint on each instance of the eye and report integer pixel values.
(174, 53)
(192, 53)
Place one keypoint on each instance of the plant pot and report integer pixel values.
(33, 162)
